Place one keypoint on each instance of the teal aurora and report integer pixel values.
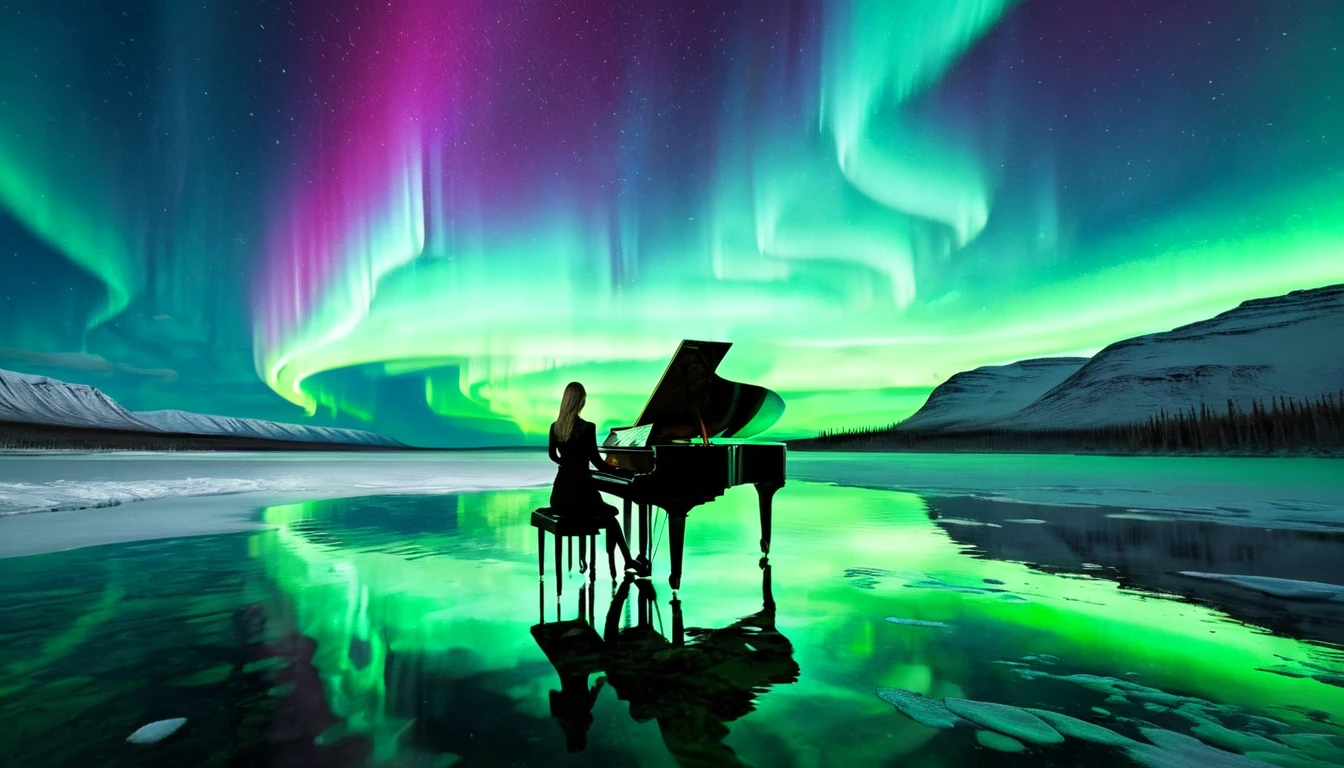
(423, 218)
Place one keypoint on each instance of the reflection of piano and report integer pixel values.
(668, 449)
(693, 682)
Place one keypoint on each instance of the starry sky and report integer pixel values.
(424, 217)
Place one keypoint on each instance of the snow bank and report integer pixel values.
(31, 484)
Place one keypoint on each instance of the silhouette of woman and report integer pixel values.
(572, 707)
(573, 445)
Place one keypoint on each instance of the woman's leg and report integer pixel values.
(606, 515)
(615, 534)
(639, 566)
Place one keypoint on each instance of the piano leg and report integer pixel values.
(767, 593)
(678, 624)
(625, 523)
(676, 538)
(559, 571)
(766, 492)
(644, 530)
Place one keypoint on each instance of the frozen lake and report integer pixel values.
(931, 610)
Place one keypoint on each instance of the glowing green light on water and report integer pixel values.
(475, 590)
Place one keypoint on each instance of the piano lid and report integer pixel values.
(690, 391)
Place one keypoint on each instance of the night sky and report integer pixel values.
(424, 217)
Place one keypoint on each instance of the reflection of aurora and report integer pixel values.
(463, 601)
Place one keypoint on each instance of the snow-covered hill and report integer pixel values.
(41, 400)
(202, 424)
(973, 399)
(1286, 346)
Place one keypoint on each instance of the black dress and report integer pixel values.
(574, 492)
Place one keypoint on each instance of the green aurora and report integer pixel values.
(429, 228)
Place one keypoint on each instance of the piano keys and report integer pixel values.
(670, 458)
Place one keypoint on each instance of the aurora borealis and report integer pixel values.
(423, 217)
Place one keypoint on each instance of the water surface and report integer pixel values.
(408, 630)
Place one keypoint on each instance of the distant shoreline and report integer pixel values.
(19, 438)
(25, 436)
(869, 448)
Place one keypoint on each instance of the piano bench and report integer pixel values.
(548, 520)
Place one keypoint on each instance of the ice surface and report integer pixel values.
(942, 585)
(998, 742)
(156, 731)
(1289, 589)
(1073, 728)
(1260, 739)
(1301, 493)
(23, 498)
(52, 483)
(971, 523)
(916, 622)
(1325, 746)
(198, 494)
(1008, 725)
(923, 710)
(1174, 750)
(1013, 721)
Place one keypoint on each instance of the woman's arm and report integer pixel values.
(594, 456)
(551, 447)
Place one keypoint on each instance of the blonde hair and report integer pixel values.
(570, 405)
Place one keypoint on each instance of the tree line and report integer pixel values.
(1282, 426)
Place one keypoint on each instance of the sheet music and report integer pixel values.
(633, 437)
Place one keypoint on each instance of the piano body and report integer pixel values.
(670, 454)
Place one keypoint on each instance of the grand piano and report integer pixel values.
(685, 450)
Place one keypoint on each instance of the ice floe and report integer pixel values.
(156, 731)
(1221, 735)
(1009, 720)
(963, 521)
(44, 484)
(923, 710)
(1288, 589)
(1082, 730)
(999, 742)
(916, 622)
(1201, 490)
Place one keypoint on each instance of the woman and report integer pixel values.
(573, 445)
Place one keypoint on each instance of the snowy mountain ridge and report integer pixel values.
(973, 398)
(204, 424)
(29, 399)
(1284, 346)
(42, 400)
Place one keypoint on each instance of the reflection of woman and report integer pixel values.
(573, 445)
(572, 706)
